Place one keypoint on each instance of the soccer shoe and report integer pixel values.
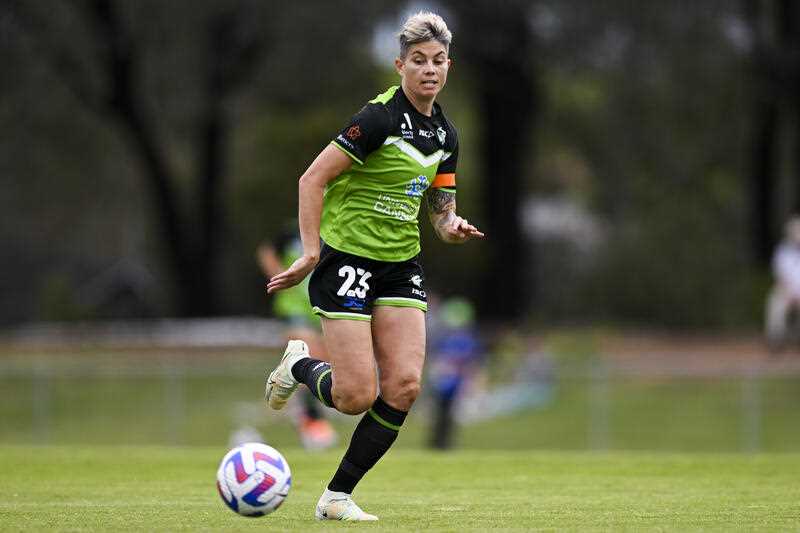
(281, 383)
(340, 507)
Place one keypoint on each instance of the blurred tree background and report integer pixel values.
(630, 162)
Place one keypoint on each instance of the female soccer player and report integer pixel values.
(361, 195)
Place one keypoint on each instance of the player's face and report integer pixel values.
(424, 69)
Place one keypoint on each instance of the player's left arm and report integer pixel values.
(441, 199)
(449, 227)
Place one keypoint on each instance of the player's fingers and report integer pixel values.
(280, 281)
(465, 227)
(280, 285)
(273, 286)
(278, 278)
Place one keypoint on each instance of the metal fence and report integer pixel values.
(197, 382)
(197, 396)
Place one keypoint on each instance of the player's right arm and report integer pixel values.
(364, 133)
(328, 165)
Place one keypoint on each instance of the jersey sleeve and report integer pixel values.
(446, 172)
(365, 133)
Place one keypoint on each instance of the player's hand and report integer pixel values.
(459, 230)
(293, 275)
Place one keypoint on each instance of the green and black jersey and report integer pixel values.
(371, 210)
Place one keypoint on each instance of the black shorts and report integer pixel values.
(347, 286)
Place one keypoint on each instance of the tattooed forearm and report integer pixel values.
(449, 227)
(441, 209)
(440, 202)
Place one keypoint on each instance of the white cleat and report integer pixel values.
(340, 506)
(281, 383)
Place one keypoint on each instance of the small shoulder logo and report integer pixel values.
(354, 132)
(416, 280)
(440, 133)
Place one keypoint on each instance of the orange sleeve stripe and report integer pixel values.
(444, 180)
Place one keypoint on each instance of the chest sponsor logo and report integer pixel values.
(395, 208)
(441, 134)
(426, 133)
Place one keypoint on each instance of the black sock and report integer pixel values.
(316, 375)
(374, 435)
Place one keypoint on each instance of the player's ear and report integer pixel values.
(398, 65)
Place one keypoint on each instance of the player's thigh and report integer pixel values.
(399, 337)
(349, 349)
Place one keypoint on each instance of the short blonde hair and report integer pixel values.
(423, 27)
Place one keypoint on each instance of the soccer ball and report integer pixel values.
(253, 479)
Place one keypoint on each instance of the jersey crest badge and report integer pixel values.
(354, 132)
(440, 134)
(417, 186)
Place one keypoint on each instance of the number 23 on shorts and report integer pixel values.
(349, 274)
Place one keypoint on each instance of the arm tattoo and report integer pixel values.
(440, 202)
(441, 207)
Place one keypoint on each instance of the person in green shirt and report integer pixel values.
(292, 307)
(362, 195)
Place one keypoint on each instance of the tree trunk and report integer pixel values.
(194, 289)
(777, 76)
(762, 180)
(498, 50)
(766, 123)
(790, 33)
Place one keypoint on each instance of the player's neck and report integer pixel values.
(424, 106)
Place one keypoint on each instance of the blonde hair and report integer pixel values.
(423, 27)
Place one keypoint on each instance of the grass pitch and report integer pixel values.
(172, 489)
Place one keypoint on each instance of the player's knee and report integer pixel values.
(404, 391)
(353, 402)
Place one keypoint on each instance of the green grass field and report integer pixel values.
(172, 489)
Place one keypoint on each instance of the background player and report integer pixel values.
(784, 298)
(294, 309)
(456, 358)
